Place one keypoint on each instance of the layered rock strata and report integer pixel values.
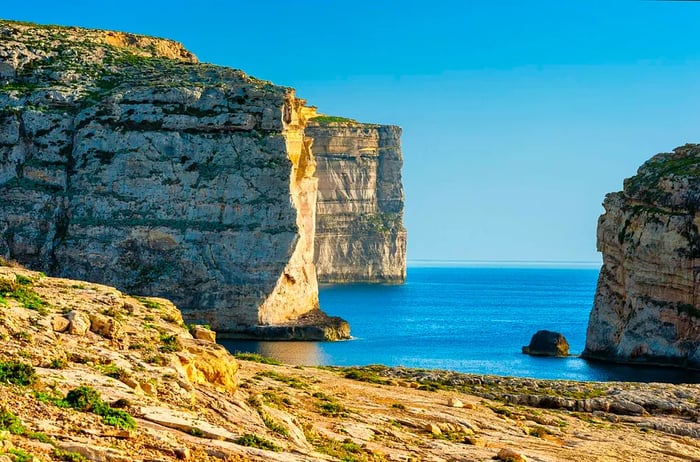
(647, 303)
(124, 161)
(360, 235)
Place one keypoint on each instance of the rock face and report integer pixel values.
(547, 343)
(360, 235)
(647, 304)
(124, 161)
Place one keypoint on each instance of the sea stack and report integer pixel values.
(647, 303)
(360, 235)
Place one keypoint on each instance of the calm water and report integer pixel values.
(471, 320)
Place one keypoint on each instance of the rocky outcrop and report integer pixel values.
(124, 161)
(172, 394)
(647, 303)
(360, 235)
(547, 343)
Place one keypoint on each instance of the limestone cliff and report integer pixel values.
(359, 233)
(124, 161)
(647, 304)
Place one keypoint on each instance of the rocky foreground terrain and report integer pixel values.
(90, 373)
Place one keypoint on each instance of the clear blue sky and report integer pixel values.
(518, 116)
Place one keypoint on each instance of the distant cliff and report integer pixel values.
(360, 235)
(647, 304)
(124, 161)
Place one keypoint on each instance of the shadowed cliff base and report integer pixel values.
(313, 326)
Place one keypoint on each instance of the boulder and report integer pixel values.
(79, 323)
(547, 343)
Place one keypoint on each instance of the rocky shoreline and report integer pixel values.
(154, 389)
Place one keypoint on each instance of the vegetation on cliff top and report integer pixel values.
(683, 163)
(324, 119)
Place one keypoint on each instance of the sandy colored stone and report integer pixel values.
(148, 388)
(202, 333)
(586, 422)
(646, 308)
(59, 323)
(510, 455)
(79, 323)
(455, 402)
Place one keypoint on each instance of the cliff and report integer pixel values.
(359, 229)
(90, 373)
(124, 161)
(647, 303)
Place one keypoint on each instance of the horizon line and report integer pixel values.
(560, 263)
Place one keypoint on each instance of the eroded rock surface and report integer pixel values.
(191, 400)
(360, 235)
(124, 161)
(647, 303)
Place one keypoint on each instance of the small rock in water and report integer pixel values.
(547, 343)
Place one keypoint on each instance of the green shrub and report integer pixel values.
(68, 456)
(17, 373)
(10, 422)
(54, 399)
(84, 398)
(41, 437)
(58, 363)
(365, 376)
(289, 380)
(110, 370)
(170, 344)
(539, 431)
(256, 441)
(23, 280)
(254, 357)
(87, 399)
(20, 289)
(21, 455)
(332, 119)
(150, 304)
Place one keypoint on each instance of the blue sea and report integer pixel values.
(467, 319)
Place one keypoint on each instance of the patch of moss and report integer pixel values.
(288, 380)
(10, 422)
(333, 119)
(365, 376)
(20, 289)
(255, 441)
(68, 456)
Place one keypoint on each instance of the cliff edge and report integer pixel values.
(125, 161)
(360, 235)
(647, 303)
